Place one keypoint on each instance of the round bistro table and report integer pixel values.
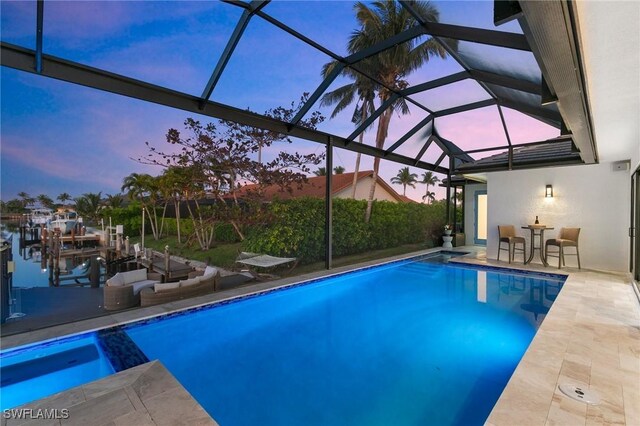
(540, 248)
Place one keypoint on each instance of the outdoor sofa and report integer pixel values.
(192, 287)
(123, 289)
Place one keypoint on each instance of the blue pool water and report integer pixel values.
(37, 371)
(410, 343)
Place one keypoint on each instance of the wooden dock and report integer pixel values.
(162, 263)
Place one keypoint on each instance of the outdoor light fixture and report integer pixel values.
(548, 191)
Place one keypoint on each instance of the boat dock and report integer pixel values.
(162, 263)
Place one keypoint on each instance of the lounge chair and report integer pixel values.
(264, 260)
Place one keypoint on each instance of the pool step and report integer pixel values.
(422, 269)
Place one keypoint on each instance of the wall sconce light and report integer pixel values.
(549, 191)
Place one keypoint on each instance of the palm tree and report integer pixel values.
(365, 90)
(338, 170)
(322, 171)
(114, 201)
(429, 196)
(405, 178)
(385, 19)
(26, 199)
(429, 179)
(89, 204)
(137, 185)
(45, 200)
(64, 197)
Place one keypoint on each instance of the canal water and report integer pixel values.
(32, 271)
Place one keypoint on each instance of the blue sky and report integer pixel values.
(58, 137)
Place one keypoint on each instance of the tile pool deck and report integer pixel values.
(591, 337)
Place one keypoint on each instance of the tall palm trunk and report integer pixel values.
(176, 204)
(383, 126)
(360, 140)
(355, 173)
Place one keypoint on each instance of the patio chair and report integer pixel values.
(568, 238)
(507, 234)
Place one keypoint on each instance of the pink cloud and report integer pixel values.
(52, 162)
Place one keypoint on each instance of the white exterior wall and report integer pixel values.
(469, 211)
(594, 198)
(362, 191)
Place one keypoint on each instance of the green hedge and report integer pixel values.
(296, 227)
(130, 217)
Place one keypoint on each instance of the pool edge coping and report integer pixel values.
(59, 332)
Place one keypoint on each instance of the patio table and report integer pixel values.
(540, 248)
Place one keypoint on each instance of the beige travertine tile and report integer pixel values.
(565, 411)
(100, 410)
(592, 335)
(137, 418)
(176, 407)
(144, 395)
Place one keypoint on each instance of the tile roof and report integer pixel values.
(558, 152)
(315, 187)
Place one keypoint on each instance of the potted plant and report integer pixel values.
(447, 229)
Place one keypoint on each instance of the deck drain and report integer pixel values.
(580, 394)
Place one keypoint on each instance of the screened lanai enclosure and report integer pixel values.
(492, 85)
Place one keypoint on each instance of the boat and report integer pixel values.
(64, 221)
(39, 217)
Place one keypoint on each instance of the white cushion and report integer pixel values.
(190, 282)
(139, 285)
(133, 276)
(116, 281)
(209, 271)
(159, 288)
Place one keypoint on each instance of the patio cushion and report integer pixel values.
(190, 282)
(116, 281)
(159, 288)
(210, 271)
(133, 276)
(139, 285)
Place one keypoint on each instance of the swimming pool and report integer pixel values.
(411, 343)
(408, 343)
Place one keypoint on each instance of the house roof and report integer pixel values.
(561, 152)
(316, 185)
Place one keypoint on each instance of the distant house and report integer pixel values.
(342, 188)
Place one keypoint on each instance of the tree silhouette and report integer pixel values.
(379, 22)
(429, 179)
(405, 178)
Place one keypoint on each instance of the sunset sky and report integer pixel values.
(59, 137)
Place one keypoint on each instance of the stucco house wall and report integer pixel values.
(592, 197)
(362, 191)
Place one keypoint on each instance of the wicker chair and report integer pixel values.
(125, 296)
(507, 234)
(568, 238)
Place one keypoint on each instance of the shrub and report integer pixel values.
(130, 217)
(295, 228)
